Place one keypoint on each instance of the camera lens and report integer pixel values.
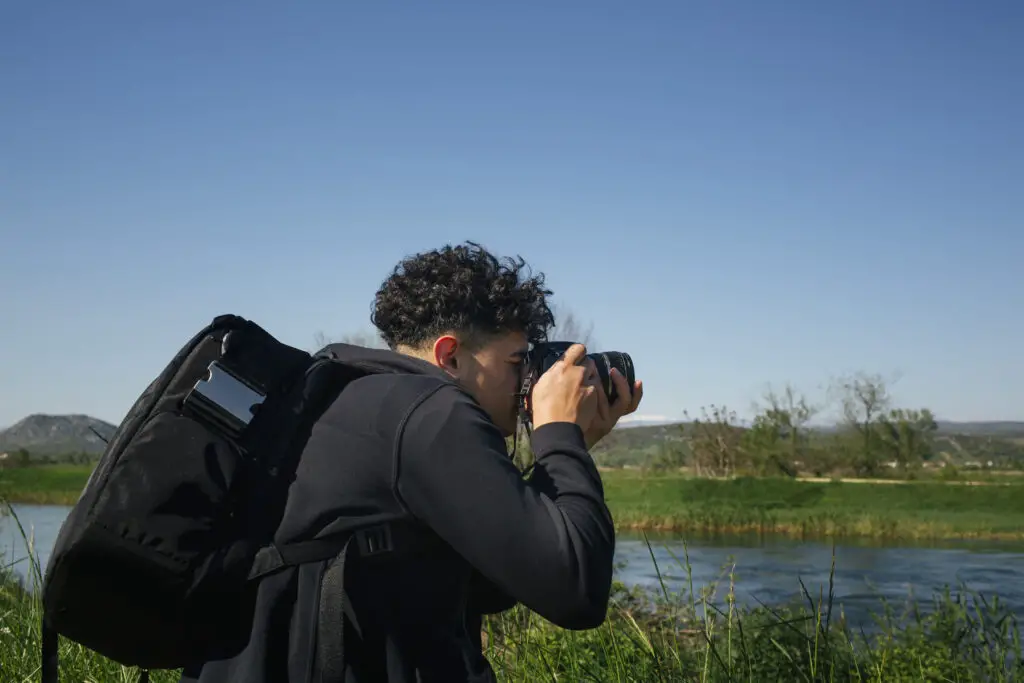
(607, 360)
(544, 355)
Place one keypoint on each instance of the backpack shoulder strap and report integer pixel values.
(396, 537)
(374, 539)
(329, 665)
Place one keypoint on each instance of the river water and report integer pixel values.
(765, 569)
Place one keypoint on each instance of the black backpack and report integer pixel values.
(158, 562)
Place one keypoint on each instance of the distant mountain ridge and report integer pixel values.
(1004, 428)
(41, 434)
(996, 428)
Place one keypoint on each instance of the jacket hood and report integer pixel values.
(382, 360)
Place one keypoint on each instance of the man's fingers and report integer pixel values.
(574, 353)
(624, 403)
(638, 394)
(622, 398)
(603, 407)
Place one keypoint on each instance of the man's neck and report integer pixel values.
(422, 354)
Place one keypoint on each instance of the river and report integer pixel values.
(766, 569)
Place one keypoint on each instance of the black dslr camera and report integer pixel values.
(543, 355)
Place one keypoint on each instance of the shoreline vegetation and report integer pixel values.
(696, 634)
(677, 502)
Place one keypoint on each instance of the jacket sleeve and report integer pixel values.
(486, 598)
(549, 544)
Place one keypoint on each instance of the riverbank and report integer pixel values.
(814, 509)
(673, 502)
(44, 484)
(666, 637)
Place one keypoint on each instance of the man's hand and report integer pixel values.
(608, 415)
(564, 394)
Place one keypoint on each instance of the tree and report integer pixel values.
(568, 327)
(778, 438)
(320, 340)
(371, 340)
(864, 398)
(716, 442)
(907, 435)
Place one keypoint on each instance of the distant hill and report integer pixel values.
(56, 434)
(1007, 429)
(640, 436)
(955, 442)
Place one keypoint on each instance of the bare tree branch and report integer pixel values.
(368, 339)
(371, 340)
(864, 399)
(568, 327)
(320, 340)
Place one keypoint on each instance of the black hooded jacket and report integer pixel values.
(412, 441)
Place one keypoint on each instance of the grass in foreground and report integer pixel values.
(684, 636)
(909, 510)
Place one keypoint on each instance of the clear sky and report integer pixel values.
(736, 193)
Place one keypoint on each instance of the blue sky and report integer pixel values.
(736, 193)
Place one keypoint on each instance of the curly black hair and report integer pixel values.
(463, 289)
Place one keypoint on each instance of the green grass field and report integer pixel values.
(673, 502)
(882, 510)
(44, 484)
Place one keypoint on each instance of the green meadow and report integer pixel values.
(879, 509)
(667, 501)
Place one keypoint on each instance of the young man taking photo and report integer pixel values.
(427, 442)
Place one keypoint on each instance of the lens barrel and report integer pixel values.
(619, 360)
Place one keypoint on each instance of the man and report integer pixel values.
(427, 441)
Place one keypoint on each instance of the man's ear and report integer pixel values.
(445, 349)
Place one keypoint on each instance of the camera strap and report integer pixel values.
(523, 421)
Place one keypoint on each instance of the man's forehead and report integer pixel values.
(511, 343)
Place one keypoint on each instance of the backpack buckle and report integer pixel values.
(374, 540)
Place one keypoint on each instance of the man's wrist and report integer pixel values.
(553, 435)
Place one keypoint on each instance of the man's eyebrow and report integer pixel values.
(520, 354)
